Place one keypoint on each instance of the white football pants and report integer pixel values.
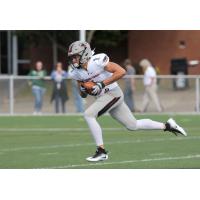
(113, 102)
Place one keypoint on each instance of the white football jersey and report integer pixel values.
(95, 71)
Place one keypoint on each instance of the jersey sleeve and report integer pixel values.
(102, 60)
(72, 74)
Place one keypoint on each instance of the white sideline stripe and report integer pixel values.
(68, 129)
(128, 161)
(157, 154)
(55, 129)
(51, 153)
(170, 113)
(92, 144)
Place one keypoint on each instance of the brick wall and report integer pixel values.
(161, 46)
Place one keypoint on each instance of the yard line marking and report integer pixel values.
(52, 153)
(191, 113)
(157, 154)
(71, 129)
(91, 144)
(45, 147)
(127, 161)
(55, 129)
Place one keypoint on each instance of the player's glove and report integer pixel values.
(96, 89)
(83, 92)
(82, 89)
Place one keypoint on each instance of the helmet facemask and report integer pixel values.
(77, 64)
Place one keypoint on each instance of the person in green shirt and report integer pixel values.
(38, 85)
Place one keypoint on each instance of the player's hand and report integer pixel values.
(96, 89)
(83, 92)
(82, 89)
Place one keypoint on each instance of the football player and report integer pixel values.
(109, 97)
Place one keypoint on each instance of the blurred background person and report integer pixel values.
(38, 86)
(150, 84)
(78, 100)
(129, 85)
(157, 69)
(59, 93)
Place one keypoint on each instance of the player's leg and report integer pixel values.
(103, 104)
(123, 115)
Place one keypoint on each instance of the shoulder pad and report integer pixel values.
(101, 59)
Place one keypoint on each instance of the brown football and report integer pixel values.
(88, 86)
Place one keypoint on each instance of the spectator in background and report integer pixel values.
(157, 69)
(77, 98)
(129, 85)
(38, 85)
(150, 84)
(59, 94)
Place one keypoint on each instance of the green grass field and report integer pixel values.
(65, 142)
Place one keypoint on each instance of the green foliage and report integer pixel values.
(104, 38)
(36, 37)
(109, 38)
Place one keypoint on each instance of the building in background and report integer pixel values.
(161, 46)
(20, 49)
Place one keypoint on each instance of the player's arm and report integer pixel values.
(82, 90)
(117, 70)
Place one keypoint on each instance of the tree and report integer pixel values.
(64, 38)
(61, 39)
(108, 38)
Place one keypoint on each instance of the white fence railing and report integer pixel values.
(177, 94)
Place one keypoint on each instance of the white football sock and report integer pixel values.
(149, 124)
(95, 130)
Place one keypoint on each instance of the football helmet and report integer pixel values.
(81, 49)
